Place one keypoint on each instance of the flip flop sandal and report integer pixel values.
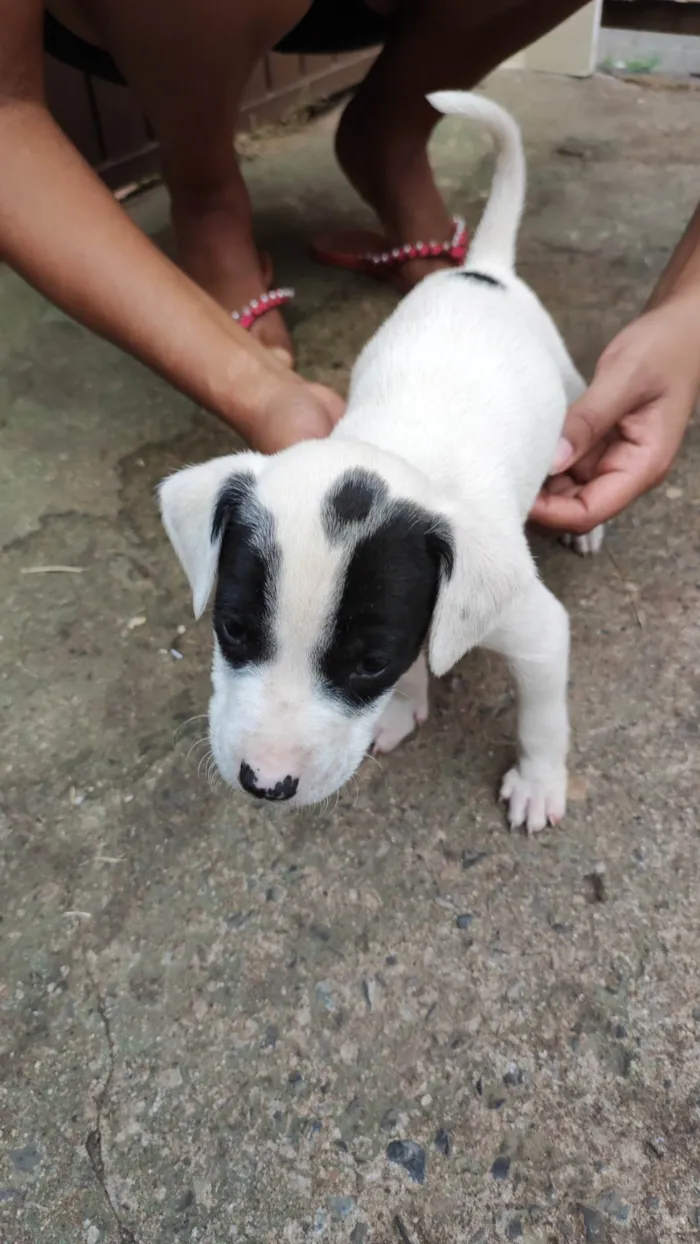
(360, 250)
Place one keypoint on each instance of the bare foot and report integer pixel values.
(215, 247)
(393, 175)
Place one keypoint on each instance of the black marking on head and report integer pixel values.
(246, 587)
(385, 604)
(481, 276)
(351, 500)
(234, 494)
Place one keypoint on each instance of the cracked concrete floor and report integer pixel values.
(395, 1023)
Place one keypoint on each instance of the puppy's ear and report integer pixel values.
(484, 568)
(189, 507)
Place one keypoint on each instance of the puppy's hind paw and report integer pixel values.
(534, 801)
(588, 545)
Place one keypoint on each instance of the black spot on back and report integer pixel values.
(484, 277)
(351, 500)
(385, 604)
(246, 588)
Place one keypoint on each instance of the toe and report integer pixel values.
(532, 805)
(536, 813)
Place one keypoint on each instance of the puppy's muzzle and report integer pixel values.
(262, 787)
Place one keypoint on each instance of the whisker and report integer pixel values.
(184, 724)
(213, 777)
(372, 757)
(204, 760)
(197, 743)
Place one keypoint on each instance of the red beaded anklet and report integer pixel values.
(455, 248)
(260, 306)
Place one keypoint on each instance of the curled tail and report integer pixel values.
(495, 239)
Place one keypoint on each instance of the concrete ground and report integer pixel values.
(394, 1023)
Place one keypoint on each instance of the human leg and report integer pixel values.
(188, 65)
(382, 138)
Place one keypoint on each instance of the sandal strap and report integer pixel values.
(455, 248)
(260, 306)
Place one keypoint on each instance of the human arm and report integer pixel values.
(62, 230)
(622, 436)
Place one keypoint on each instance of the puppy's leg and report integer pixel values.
(534, 636)
(575, 385)
(407, 708)
(586, 545)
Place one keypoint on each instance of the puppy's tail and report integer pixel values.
(495, 239)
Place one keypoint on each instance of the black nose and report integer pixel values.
(283, 789)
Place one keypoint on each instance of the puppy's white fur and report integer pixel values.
(457, 403)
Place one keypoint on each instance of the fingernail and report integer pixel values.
(564, 451)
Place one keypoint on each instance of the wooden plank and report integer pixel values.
(315, 85)
(107, 127)
(284, 72)
(133, 167)
(311, 65)
(673, 17)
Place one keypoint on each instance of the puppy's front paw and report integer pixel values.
(535, 798)
(586, 545)
(399, 719)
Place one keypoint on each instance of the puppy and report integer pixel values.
(337, 563)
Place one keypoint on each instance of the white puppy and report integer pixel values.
(336, 562)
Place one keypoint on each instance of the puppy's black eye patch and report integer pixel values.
(484, 277)
(385, 604)
(351, 500)
(246, 588)
(231, 500)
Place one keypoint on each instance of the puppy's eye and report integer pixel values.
(370, 666)
(234, 632)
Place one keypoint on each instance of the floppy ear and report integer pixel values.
(189, 510)
(485, 567)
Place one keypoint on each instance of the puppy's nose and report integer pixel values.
(285, 788)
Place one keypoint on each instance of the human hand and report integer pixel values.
(295, 410)
(621, 437)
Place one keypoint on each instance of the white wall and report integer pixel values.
(571, 48)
